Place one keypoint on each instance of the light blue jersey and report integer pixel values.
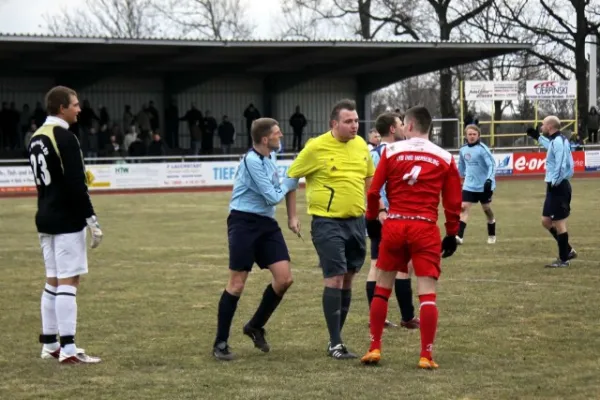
(545, 142)
(376, 155)
(559, 160)
(256, 187)
(476, 164)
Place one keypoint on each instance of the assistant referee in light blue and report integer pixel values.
(256, 187)
(254, 236)
(560, 167)
(477, 166)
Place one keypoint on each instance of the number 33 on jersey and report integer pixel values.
(415, 172)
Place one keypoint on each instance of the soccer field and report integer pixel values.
(508, 328)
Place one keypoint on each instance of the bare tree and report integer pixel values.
(562, 28)
(423, 90)
(448, 20)
(485, 27)
(364, 18)
(376, 18)
(214, 19)
(114, 18)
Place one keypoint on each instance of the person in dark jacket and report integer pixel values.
(226, 134)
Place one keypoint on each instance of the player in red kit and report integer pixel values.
(415, 172)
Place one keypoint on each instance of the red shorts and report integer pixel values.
(403, 241)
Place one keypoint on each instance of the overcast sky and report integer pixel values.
(16, 16)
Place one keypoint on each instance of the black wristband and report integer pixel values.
(383, 210)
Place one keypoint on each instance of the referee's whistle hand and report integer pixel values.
(294, 225)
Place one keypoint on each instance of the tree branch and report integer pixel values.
(471, 14)
(558, 19)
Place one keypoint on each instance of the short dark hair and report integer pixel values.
(344, 104)
(420, 116)
(262, 128)
(58, 96)
(385, 121)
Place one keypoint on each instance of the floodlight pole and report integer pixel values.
(592, 73)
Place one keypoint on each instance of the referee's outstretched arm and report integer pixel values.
(74, 171)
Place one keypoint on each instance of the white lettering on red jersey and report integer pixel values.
(415, 172)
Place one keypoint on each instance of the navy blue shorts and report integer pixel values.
(254, 239)
(477, 197)
(558, 201)
(375, 248)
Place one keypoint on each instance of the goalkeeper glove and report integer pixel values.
(487, 186)
(374, 229)
(533, 133)
(95, 231)
(448, 246)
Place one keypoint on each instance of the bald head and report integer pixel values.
(551, 125)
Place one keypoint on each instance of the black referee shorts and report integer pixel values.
(557, 204)
(254, 239)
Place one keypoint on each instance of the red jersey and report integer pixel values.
(415, 172)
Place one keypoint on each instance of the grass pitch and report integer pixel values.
(508, 328)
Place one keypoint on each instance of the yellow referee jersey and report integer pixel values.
(335, 175)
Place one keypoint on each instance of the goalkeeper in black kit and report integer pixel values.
(64, 212)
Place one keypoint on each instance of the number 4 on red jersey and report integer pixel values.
(415, 172)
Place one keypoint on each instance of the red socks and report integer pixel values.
(429, 318)
(377, 315)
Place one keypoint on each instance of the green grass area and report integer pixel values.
(508, 328)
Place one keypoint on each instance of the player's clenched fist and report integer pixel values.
(95, 231)
(448, 246)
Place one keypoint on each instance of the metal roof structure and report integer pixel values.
(81, 61)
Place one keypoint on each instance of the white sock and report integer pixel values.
(66, 314)
(49, 325)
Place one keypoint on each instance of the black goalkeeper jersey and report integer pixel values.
(59, 174)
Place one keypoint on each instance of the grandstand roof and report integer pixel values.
(375, 63)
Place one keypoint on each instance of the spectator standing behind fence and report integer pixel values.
(29, 134)
(25, 119)
(154, 116)
(39, 114)
(298, 123)
(172, 124)
(593, 125)
(127, 120)
(104, 116)
(92, 144)
(143, 121)
(86, 122)
(209, 126)
(251, 114)
(9, 122)
(226, 134)
(193, 117)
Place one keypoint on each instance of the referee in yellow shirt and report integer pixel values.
(338, 169)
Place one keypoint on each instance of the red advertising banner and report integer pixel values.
(535, 163)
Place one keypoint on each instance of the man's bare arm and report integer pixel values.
(290, 204)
